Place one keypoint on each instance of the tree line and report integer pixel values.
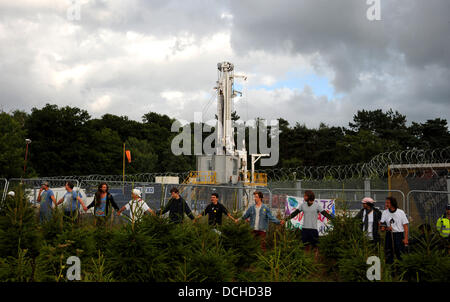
(68, 141)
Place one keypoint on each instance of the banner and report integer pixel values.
(323, 225)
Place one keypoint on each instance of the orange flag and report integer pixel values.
(128, 153)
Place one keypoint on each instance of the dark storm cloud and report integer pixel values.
(130, 57)
(340, 32)
(405, 55)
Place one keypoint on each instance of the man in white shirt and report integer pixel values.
(395, 223)
(137, 206)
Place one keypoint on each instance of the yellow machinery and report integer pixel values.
(258, 179)
(201, 177)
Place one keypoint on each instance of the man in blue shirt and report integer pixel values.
(72, 201)
(47, 199)
(260, 216)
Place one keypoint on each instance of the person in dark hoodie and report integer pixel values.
(370, 219)
(103, 200)
(177, 207)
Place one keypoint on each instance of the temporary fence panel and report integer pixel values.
(349, 199)
(323, 224)
(234, 198)
(152, 193)
(3, 192)
(31, 187)
(3, 188)
(427, 206)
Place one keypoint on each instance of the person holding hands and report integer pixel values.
(260, 216)
(214, 211)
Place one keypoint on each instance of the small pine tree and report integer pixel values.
(18, 227)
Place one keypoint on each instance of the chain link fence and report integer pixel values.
(427, 206)
(394, 174)
(3, 188)
(3, 191)
(152, 194)
(121, 191)
(345, 199)
(157, 195)
(422, 206)
(30, 187)
(234, 198)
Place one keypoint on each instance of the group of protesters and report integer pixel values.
(395, 223)
(392, 220)
(102, 203)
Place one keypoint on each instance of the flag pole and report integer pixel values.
(123, 170)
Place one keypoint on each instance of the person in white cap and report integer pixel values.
(137, 206)
(370, 218)
(8, 199)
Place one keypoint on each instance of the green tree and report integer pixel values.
(362, 146)
(105, 156)
(157, 130)
(120, 124)
(12, 146)
(387, 125)
(143, 158)
(432, 134)
(59, 142)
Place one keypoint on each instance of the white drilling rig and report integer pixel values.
(227, 162)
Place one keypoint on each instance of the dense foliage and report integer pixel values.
(156, 250)
(68, 141)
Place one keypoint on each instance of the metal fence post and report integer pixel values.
(298, 185)
(5, 189)
(448, 189)
(270, 198)
(367, 186)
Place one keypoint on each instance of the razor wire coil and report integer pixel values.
(377, 167)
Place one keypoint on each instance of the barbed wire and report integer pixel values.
(139, 177)
(415, 163)
(377, 167)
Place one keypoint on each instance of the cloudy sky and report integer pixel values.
(307, 61)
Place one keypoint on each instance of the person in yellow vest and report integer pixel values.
(443, 223)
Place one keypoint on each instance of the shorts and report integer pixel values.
(310, 236)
